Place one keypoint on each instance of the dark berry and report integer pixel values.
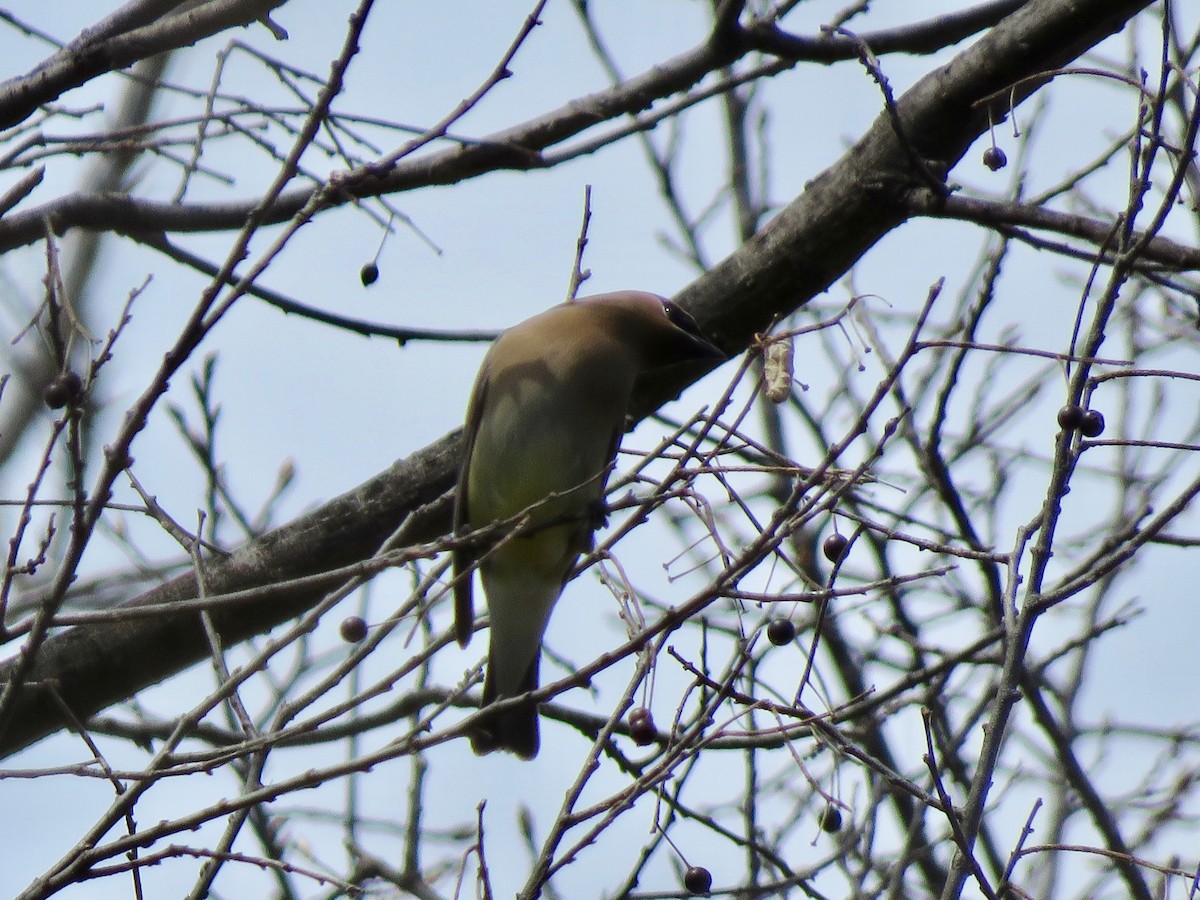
(697, 880)
(994, 158)
(368, 274)
(353, 629)
(781, 632)
(1092, 424)
(831, 819)
(1070, 417)
(641, 726)
(62, 390)
(834, 547)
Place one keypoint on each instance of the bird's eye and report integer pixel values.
(682, 320)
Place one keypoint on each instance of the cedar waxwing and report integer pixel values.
(543, 424)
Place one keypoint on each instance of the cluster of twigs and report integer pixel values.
(905, 534)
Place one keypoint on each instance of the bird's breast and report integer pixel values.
(540, 436)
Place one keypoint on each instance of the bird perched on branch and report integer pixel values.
(546, 414)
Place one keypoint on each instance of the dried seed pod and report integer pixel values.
(778, 370)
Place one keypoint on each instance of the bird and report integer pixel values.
(544, 421)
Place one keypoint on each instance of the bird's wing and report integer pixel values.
(464, 557)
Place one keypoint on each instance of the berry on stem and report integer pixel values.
(353, 629)
(1070, 417)
(995, 158)
(62, 390)
(697, 880)
(835, 546)
(641, 726)
(1092, 424)
(781, 632)
(831, 819)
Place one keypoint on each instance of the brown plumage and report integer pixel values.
(544, 421)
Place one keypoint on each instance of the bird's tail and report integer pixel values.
(514, 730)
